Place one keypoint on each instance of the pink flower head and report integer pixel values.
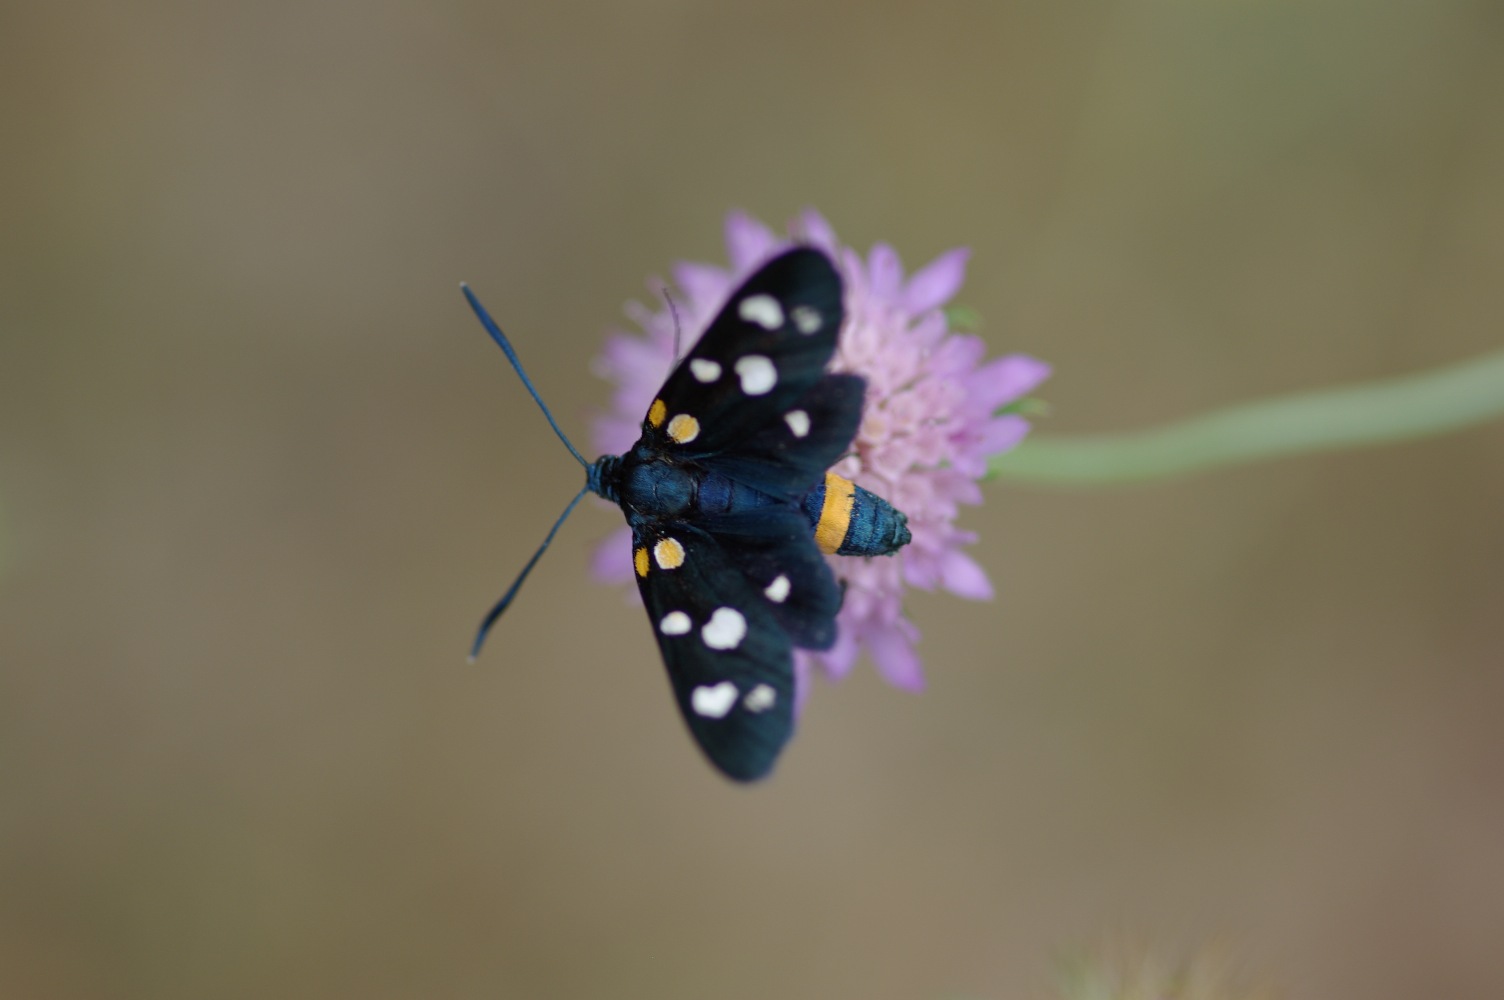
(931, 422)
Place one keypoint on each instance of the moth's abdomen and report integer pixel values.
(717, 495)
(851, 521)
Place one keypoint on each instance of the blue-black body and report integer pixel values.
(845, 519)
(733, 508)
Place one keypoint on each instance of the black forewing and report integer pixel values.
(762, 353)
(788, 455)
(734, 683)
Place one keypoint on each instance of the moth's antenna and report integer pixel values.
(506, 599)
(506, 348)
(675, 312)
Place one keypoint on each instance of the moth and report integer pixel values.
(733, 506)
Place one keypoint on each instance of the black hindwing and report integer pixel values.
(772, 548)
(729, 658)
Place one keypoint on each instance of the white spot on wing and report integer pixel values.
(705, 370)
(760, 698)
(725, 630)
(798, 422)
(763, 310)
(757, 374)
(806, 319)
(778, 590)
(675, 623)
(715, 701)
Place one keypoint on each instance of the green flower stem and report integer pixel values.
(1414, 406)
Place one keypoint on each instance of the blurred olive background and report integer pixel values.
(261, 472)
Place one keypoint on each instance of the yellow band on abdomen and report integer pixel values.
(835, 515)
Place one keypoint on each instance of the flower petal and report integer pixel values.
(812, 227)
(703, 285)
(886, 272)
(963, 577)
(921, 569)
(1003, 380)
(893, 654)
(840, 658)
(748, 242)
(937, 282)
(612, 434)
(612, 560)
(1002, 433)
(803, 667)
(957, 356)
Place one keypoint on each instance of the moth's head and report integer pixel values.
(603, 477)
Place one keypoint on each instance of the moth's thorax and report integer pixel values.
(654, 487)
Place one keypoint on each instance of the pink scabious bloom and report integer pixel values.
(931, 420)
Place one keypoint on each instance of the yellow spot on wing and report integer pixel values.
(640, 561)
(683, 428)
(835, 515)
(669, 554)
(656, 413)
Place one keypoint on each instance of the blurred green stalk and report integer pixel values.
(1414, 406)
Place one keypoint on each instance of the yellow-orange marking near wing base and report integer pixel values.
(640, 561)
(835, 515)
(656, 413)
(669, 554)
